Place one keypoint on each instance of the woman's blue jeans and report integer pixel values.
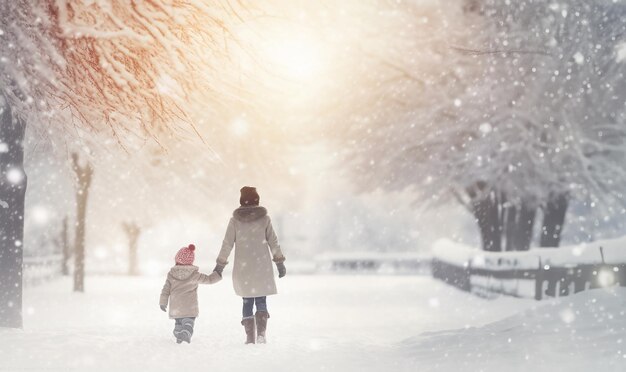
(248, 304)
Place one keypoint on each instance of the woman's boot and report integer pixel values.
(261, 325)
(248, 324)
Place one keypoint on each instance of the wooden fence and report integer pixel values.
(543, 281)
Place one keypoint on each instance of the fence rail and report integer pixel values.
(399, 264)
(544, 281)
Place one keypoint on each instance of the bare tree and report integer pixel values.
(66, 249)
(72, 67)
(133, 231)
(84, 175)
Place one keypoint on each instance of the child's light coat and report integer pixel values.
(181, 288)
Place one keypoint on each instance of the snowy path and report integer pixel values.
(318, 323)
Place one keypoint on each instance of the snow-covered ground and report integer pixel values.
(585, 332)
(318, 323)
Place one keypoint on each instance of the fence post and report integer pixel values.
(539, 282)
(469, 275)
(602, 255)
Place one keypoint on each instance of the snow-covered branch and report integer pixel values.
(115, 66)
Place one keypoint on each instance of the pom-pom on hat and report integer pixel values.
(185, 255)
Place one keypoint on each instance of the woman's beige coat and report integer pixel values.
(250, 231)
(181, 288)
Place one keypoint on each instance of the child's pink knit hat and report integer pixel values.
(185, 255)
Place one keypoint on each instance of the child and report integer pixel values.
(181, 288)
(251, 233)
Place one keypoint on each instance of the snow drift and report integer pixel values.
(577, 333)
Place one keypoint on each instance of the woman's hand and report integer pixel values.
(282, 270)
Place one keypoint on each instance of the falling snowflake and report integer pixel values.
(567, 316)
(621, 52)
(485, 128)
(579, 58)
(15, 176)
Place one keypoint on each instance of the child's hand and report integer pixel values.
(163, 307)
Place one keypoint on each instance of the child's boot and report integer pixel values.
(261, 325)
(248, 324)
(178, 328)
(187, 331)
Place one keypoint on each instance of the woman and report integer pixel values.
(250, 229)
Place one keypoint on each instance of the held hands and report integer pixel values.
(163, 307)
(282, 270)
(218, 269)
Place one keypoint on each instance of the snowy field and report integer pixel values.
(318, 323)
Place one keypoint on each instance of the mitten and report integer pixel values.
(282, 270)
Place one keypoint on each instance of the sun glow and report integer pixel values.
(294, 57)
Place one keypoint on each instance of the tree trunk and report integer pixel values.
(83, 181)
(553, 219)
(510, 227)
(132, 232)
(487, 214)
(12, 196)
(65, 249)
(519, 222)
(524, 226)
